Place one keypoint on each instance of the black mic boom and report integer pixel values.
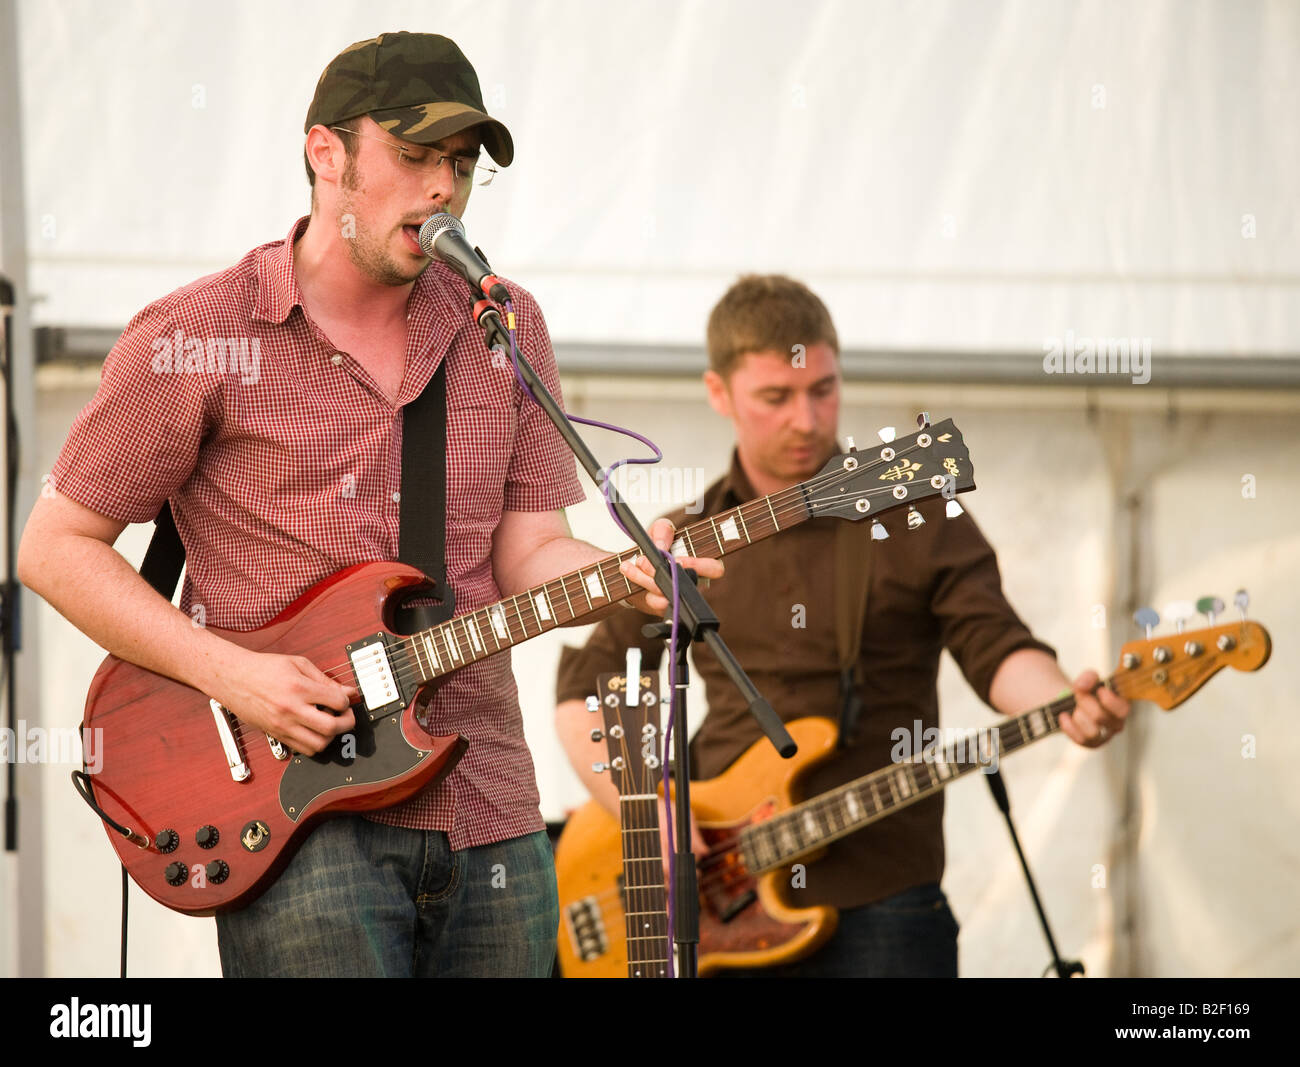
(442, 237)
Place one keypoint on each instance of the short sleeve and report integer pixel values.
(138, 439)
(977, 624)
(543, 474)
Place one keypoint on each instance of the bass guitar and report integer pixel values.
(755, 827)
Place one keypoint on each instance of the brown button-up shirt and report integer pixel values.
(931, 588)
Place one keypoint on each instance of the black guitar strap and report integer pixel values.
(853, 553)
(423, 530)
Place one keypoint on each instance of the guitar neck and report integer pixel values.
(849, 807)
(645, 900)
(474, 636)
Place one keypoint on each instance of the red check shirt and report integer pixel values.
(282, 460)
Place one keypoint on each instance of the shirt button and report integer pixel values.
(397, 498)
(337, 358)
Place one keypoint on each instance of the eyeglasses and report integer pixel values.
(427, 161)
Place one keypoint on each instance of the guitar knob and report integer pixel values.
(953, 509)
(915, 520)
(176, 873)
(217, 871)
(597, 735)
(878, 532)
(923, 420)
(599, 768)
(593, 704)
(167, 841)
(207, 837)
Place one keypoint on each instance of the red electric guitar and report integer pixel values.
(205, 810)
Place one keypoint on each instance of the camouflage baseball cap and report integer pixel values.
(417, 86)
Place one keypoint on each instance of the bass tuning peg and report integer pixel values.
(878, 532)
(915, 520)
(953, 509)
(1242, 600)
(886, 434)
(1147, 618)
(923, 420)
(1209, 606)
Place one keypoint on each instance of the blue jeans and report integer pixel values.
(365, 900)
(910, 935)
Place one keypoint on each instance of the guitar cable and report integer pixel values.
(83, 785)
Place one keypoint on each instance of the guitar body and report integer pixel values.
(744, 922)
(163, 766)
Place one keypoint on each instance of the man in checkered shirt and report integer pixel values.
(265, 404)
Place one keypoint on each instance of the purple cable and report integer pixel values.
(607, 476)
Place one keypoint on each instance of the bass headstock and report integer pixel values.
(631, 733)
(867, 482)
(1167, 670)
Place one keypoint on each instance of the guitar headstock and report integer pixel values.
(1167, 670)
(867, 482)
(631, 733)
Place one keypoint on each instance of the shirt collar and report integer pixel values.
(278, 293)
(736, 488)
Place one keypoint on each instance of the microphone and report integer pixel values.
(442, 237)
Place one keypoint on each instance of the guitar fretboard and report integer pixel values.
(478, 634)
(847, 808)
(645, 899)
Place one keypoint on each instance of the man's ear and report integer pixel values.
(325, 153)
(719, 393)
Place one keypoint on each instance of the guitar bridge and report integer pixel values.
(234, 758)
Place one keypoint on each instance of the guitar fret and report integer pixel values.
(568, 603)
(500, 627)
(471, 628)
(422, 668)
(519, 614)
(875, 796)
(768, 501)
(542, 606)
(1024, 734)
(740, 514)
(596, 585)
(853, 804)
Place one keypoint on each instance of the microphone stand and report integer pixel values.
(696, 622)
(1064, 968)
(9, 620)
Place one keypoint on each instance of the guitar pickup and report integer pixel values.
(376, 677)
(738, 905)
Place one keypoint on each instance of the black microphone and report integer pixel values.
(442, 237)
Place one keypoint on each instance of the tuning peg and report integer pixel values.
(954, 509)
(597, 735)
(915, 520)
(886, 434)
(878, 532)
(593, 704)
(1209, 606)
(1147, 619)
(923, 420)
(852, 447)
(600, 768)
(1242, 600)
(1180, 611)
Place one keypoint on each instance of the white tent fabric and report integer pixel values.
(951, 175)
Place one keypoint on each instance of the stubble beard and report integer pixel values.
(368, 254)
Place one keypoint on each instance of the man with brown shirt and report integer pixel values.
(931, 588)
